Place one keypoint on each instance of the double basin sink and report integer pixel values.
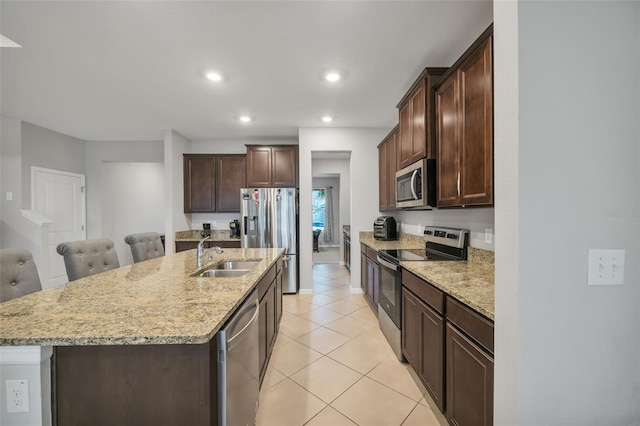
(229, 268)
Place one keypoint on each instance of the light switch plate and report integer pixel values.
(488, 235)
(606, 267)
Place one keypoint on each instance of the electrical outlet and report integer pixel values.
(606, 267)
(488, 235)
(213, 224)
(9, 196)
(17, 396)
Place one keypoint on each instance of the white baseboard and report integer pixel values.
(306, 291)
(356, 290)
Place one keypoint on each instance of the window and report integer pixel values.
(317, 207)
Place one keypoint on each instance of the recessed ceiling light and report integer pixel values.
(245, 118)
(214, 76)
(327, 119)
(332, 76)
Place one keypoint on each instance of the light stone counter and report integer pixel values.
(194, 235)
(151, 302)
(469, 282)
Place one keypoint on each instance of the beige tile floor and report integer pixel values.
(331, 365)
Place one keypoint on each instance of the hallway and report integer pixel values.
(332, 366)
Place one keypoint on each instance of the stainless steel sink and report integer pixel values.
(224, 273)
(236, 264)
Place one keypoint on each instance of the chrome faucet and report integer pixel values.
(201, 251)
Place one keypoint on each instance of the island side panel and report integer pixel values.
(136, 385)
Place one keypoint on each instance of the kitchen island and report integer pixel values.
(134, 345)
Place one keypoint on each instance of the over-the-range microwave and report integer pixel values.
(416, 185)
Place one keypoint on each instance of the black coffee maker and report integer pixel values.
(235, 229)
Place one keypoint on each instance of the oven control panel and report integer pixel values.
(448, 236)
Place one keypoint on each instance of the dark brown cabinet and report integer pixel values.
(416, 115)
(369, 275)
(270, 312)
(212, 182)
(423, 334)
(199, 183)
(272, 166)
(464, 129)
(231, 175)
(450, 347)
(469, 381)
(190, 245)
(387, 168)
(347, 250)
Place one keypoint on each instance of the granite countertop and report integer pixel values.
(194, 235)
(406, 241)
(151, 302)
(472, 282)
(469, 282)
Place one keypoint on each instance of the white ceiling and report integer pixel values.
(127, 70)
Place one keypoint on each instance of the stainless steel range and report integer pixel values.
(440, 244)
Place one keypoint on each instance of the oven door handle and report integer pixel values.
(387, 264)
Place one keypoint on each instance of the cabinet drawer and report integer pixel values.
(425, 291)
(266, 282)
(472, 323)
(372, 254)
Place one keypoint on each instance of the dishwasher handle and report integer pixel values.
(251, 321)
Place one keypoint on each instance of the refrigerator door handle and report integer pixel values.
(285, 261)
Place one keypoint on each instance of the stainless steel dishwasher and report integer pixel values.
(238, 366)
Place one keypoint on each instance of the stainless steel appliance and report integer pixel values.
(234, 226)
(440, 244)
(270, 220)
(416, 185)
(238, 366)
(385, 228)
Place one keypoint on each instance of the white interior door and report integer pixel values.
(59, 196)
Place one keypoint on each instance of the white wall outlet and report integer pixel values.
(9, 196)
(488, 235)
(606, 267)
(17, 396)
(213, 224)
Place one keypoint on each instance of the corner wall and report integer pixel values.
(578, 188)
(362, 143)
(175, 219)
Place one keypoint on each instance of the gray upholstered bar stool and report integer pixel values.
(18, 274)
(88, 257)
(145, 246)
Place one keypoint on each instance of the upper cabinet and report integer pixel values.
(464, 129)
(272, 166)
(416, 115)
(231, 175)
(212, 182)
(387, 168)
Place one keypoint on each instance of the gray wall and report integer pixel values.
(45, 148)
(573, 356)
(97, 153)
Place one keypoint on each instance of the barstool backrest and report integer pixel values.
(145, 246)
(88, 257)
(18, 274)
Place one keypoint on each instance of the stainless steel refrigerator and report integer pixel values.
(270, 220)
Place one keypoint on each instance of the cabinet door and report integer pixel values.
(284, 168)
(392, 168)
(469, 382)
(418, 135)
(476, 128)
(363, 274)
(278, 297)
(447, 145)
(185, 245)
(383, 178)
(431, 369)
(231, 176)
(262, 337)
(258, 166)
(270, 297)
(199, 184)
(405, 141)
(411, 334)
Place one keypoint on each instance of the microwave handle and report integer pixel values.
(414, 175)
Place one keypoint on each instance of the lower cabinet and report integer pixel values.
(450, 348)
(347, 251)
(190, 245)
(369, 275)
(423, 344)
(270, 294)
